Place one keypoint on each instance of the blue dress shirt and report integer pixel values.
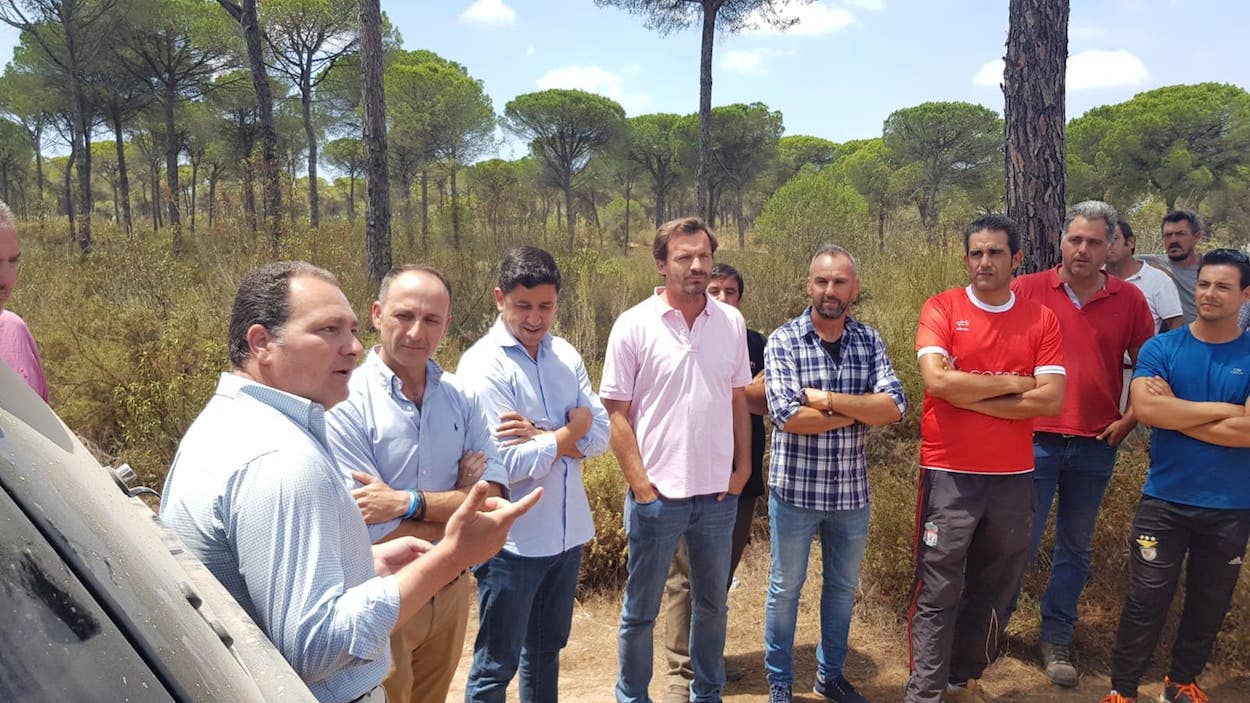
(379, 431)
(255, 494)
(505, 378)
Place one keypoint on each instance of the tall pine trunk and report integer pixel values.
(625, 244)
(568, 215)
(377, 182)
(195, 170)
(1033, 85)
(701, 174)
(405, 184)
(351, 198)
(314, 214)
(80, 133)
(271, 174)
(38, 140)
(68, 186)
(123, 179)
(171, 167)
(455, 212)
(425, 210)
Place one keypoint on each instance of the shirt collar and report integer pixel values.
(374, 365)
(499, 334)
(660, 304)
(1112, 284)
(298, 409)
(806, 327)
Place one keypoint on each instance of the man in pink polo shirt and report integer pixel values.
(17, 346)
(1102, 319)
(673, 385)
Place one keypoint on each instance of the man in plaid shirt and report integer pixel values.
(827, 378)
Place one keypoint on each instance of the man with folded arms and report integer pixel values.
(991, 363)
(828, 379)
(1192, 385)
(1104, 321)
(535, 386)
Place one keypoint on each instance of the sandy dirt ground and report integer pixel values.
(877, 663)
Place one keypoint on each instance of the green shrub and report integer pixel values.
(133, 339)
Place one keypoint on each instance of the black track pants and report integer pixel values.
(1163, 533)
(972, 539)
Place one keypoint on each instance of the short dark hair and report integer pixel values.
(528, 266)
(264, 299)
(1126, 230)
(721, 271)
(1195, 222)
(681, 225)
(994, 222)
(400, 270)
(1228, 257)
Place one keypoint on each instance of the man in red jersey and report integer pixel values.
(1104, 319)
(991, 362)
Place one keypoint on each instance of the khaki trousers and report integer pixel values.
(426, 650)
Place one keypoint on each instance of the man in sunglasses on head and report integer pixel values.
(1192, 385)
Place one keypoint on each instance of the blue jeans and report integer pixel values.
(843, 537)
(653, 530)
(1077, 469)
(525, 607)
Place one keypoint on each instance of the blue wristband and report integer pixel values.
(413, 503)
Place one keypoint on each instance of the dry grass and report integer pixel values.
(133, 338)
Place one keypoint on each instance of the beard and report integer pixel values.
(830, 309)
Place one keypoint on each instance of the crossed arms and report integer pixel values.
(800, 409)
(1223, 424)
(1005, 397)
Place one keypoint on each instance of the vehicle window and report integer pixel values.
(56, 643)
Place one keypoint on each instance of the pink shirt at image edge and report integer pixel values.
(680, 383)
(18, 350)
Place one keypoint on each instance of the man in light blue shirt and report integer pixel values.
(256, 495)
(550, 419)
(410, 443)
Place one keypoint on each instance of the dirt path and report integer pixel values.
(877, 663)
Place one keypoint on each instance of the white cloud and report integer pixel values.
(990, 75)
(749, 61)
(1087, 70)
(812, 19)
(489, 12)
(594, 79)
(1097, 68)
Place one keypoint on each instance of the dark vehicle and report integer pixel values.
(98, 602)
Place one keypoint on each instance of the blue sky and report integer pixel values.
(840, 71)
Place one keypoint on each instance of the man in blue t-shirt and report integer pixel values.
(1192, 385)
